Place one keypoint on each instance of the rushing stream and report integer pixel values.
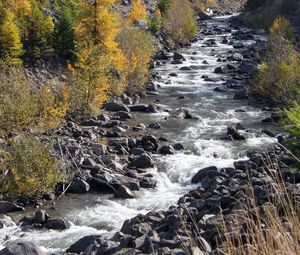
(102, 213)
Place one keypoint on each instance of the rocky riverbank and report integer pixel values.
(112, 153)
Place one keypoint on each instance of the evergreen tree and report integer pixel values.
(64, 37)
(10, 41)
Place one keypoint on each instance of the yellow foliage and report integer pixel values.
(10, 41)
(138, 48)
(19, 7)
(180, 22)
(138, 12)
(52, 108)
(281, 27)
(32, 170)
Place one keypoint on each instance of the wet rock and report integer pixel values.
(82, 244)
(231, 130)
(178, 146)
(241, 94)
(246, 68)
(152, 108)
(167, 150)
(225, 41)
(115, 106)
(79, 186)
(268, 120)
(19, 247)
(138, 151)
(99, 149)
(219, 89)
(155, 126)
(210, 172)
(178, 56)
(40, 217)
(236, 57)
(221, 70)
(138, 107)
(139, 127)
(185, 68)
(57, 224)
(143, 161)
(124, 192)
(6, 207)
(182, 113)
(123, 115)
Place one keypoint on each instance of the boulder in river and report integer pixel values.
(232, 130)
(6, 207)
(82, 244)
(167, 150)
(221, 70)
(182, 113)
(138, 107)
(178, 56)
(19, 247)
(78, 186)
(143, 161)
(115, 106)
(124, 192)
(205, 172)
(57, 224)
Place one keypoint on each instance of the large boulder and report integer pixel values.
(207, 172)
(115, 106)
(221, 70)
(138, 107)
(182, 113)
(232, 130)
(57, 224)
(178, 57)
(79, 186)
(167, 150)
(143, 161)
(124, 192)
(40, 217)
(6, 207)
(82, 244)
(19, 247)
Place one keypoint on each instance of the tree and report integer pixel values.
(180, 22)
(10, 41)
(138, 47)
(138, 12)
(38, 32)
(281, 27)
(64, 35)
(156, 20)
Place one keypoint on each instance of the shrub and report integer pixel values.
(281, 27)
(138, 47)
(18, 105)
(31, 169)
(180, 22)
(163, 5)
(138, 12)
(156, 21)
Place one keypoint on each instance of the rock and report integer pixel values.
(268, 120)
(119, 130)
(99, 149)
(138, 107)
(6, 207)
(178, 56)
(119, 141)
(152, 108)
(115, 106)
(57, 224)
(143, 161)
(246, 68)
(79, 186)
(219, 89)
(82, 244)
(40, 217)
(19, 247)
(138, 151)
(152, 87)
(241, 94)
(221, 70)
(178, 146)
(123, 115)
(155, 126)
(185, 68)
(124, 192)
(139, 127)
(239, 126)
(166, 150)
(225, 41)
(114, 181)
(141, 24)
(231, 130)
(182, 113)
(236, 57)
(211, 171)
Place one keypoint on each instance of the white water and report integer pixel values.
(102, 214)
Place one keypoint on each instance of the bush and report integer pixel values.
(138, 12)
(138, 47)
(156, 21)
(281, 27)
(180, 22)
(31, 169)
(163, 5)
(18, 105)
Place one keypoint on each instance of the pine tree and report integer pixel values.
(64, 35)
(10, 41)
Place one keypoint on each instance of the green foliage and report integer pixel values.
(180, 22)
(32, 170)
(163, 5)
(64, 35)
(278, 77)
(18, 106)
(156, 21)
(138, 48)
(38, 35)
(10, 42)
